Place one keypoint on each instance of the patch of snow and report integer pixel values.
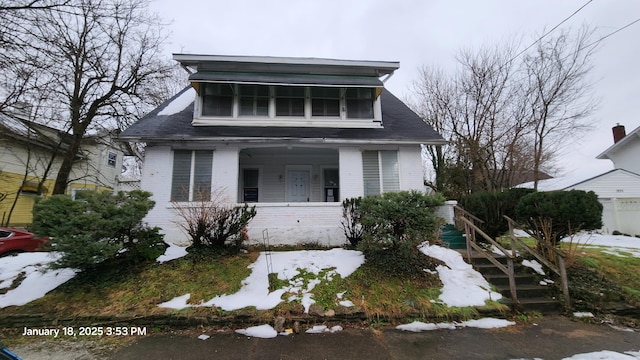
(38, 281)
(535, 265)
(520, 233)
(318, 329)
(262, 331)
(462, 285)
(606, 354)
(485, 323)
(255, 288)
(172, 252)
(583, 314)
(346, 303)
(177, 303)
(180, 103)
(593, 239)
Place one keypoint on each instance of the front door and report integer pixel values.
(298, 183)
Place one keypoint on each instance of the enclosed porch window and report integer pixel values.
(288, 175)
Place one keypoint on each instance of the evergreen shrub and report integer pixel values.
(100, 226)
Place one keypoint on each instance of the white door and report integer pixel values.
(298, 183)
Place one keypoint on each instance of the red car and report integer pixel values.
(14, 241)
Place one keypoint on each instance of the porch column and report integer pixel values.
(351, 181)
(225, 171)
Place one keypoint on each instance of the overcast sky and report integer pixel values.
(418, 33)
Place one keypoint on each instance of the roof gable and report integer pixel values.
(625, 142)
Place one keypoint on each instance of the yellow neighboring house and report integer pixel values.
(30, 156)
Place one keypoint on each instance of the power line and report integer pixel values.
(550, 31)
(613, 33)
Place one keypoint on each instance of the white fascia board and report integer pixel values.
(289, 140)
(194, 58)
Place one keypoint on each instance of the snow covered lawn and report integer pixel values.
(287, 265)
(619, 245)
(37, 279)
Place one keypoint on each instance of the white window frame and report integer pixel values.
(192, 180)
(307, 120)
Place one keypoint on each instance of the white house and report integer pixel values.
(292, 136)
(625, 151)
(618, 190)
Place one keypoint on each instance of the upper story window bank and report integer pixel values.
(243, 91)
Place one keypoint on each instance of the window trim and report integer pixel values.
(307, 119)
(192, 177)
(380, 176)
(110, 160)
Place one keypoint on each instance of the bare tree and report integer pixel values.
(500, 111)
(95, 61)
(15, 16)
(559, 94)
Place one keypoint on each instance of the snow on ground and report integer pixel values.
(38, 280)
(618, 245)
(262, 331)
(485, 323)
(287, 264)
(462, 285)
(606, 354)
(172, 252)
(535, 265)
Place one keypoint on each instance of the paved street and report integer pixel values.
(549, 338)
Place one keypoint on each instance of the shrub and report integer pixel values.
(214, 224)
(555, 214)
(490, 206)
(393, 224)
(99, 227)
(351, 220)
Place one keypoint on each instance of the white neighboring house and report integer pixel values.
(618, 190)
(292, 136)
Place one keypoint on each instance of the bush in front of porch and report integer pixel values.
(387, 228)
(213, 224)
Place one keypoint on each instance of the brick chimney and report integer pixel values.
(618, 133)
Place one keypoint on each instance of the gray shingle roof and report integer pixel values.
(400, 124)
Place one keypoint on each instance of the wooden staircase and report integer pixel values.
(519, 285)
(530, 294)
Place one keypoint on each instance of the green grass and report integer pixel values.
(118, 290)
(621, 270)
(138, 289)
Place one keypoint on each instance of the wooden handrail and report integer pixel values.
(487, 238)
(560, 270)
(470, 230)
(468, 214)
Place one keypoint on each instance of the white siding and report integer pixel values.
(614, 184)
(627, 156)
(298, 223)
(225, 171)
(411, 170)
(351, 182)
(156, 178)
(619, 193)
(287, 223)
